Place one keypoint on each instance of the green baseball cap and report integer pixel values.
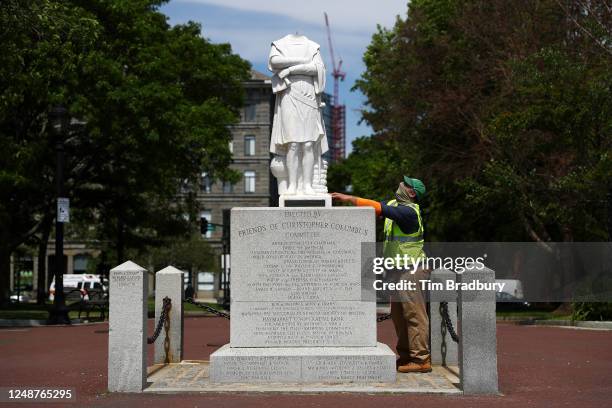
(417, 185)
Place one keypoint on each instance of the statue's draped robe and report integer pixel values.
(297, 113)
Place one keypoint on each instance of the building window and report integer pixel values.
(185, 279)
(207, 215)
(249, 145)
(80, 263)
(249, 181)
(206, 281)
(185, 186)
(228, 187)
(206, 183)
(249, 112)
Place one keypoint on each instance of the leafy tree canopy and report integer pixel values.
(150, 107)
(502, 108)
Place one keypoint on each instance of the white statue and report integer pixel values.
(298, 133)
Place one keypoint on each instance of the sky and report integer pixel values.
(251, 25)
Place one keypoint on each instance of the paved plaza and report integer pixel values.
(538, 367)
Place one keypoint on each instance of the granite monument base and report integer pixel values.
(302, 364)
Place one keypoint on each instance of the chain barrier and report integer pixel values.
(167, 330)
(383, 317)
(380, 318)
(164, 320)
(447, 321)
(445, 317)
(210, 309)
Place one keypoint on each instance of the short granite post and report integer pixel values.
(127, 335)
(444, 351)
(169, 282)
(477, 335)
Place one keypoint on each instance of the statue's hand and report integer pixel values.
(284, 73)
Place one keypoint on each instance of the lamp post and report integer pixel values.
(59, 125)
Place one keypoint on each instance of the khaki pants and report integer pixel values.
(409, 315)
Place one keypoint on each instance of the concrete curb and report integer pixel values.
(601, 325)
(37, 323)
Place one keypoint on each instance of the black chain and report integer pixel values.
(164, 315)
(382, 318)
(448, 322)
(212, 310)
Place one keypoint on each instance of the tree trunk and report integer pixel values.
(120, 240)
(41, 291)
(5, 275)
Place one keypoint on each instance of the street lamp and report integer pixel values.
(59, 120)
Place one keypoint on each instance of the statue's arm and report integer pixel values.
(304, 69)
(280, 62)
(301, 69)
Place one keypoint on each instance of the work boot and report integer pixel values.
(401, 362)
(413, 367)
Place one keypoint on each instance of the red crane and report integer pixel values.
(338, 111)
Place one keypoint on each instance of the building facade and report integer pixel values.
(250, 147)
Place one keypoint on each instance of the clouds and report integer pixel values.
(347, 15)
(251, 25)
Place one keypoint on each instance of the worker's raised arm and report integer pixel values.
(358, 201)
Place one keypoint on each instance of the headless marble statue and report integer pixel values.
(298, 133)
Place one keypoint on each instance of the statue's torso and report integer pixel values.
(304, 84)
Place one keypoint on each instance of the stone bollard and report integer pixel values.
(169, 282)
(127, 335)
(477, 335)
(444, 351)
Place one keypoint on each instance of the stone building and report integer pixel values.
(251, 158)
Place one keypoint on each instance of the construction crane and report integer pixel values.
(338, 111)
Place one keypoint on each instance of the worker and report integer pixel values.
(403, 235)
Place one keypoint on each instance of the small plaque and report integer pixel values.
(304, 203)
(63, 209)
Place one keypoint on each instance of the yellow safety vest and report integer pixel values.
(399, 243)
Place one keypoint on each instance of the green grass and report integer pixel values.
(29, 311)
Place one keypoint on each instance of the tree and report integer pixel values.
(41, 44)
(503, 109)
(151, 105)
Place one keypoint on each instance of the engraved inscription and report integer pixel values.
(253, 368)
(298, 255)
(126, 279)
(303, 270)
(342, 368)
(282, 324)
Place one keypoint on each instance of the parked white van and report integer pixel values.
(512, 287)
(84, 282)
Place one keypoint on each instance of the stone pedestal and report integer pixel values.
(297, 309)
(127, 334)
(169, 282)
(477, 335)
(303, 364)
